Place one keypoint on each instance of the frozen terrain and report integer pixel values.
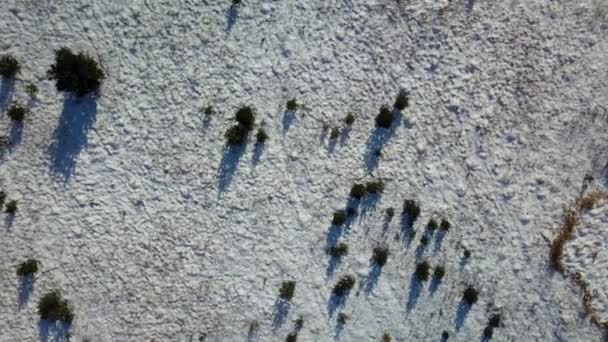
(154, 230)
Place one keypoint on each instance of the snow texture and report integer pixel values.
(154, 230)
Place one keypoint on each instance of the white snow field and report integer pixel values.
(155, 231)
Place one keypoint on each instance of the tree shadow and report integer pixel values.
(414, 293)
(252, 333)
(338, 330)
(385, 226)
(378, 139)
(435, 282)
(461, 314)
(26, 287)
(7, 87)
(258, 149)
(288, 119)
(373, 276)
(54, 331)
(331, 146)
(280, 312)
(420, 249)
(5, 146)
(332, 266)
(9, 220)
(368, 204)
(406, 230)
(16, 133)
(70, 136)
(228, 165)
(344, 135)
(231, 16)
(333, 234)
(336, 302)
(439, 241)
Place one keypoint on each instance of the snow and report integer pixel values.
(155, 231)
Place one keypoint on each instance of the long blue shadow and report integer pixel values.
(414, 294)
(53, 331)
(336, 302)
(26, 287)
(228, 165)
(280, 312)
(288, 118)
(372, 279)
(70, 136)
(231, 16)
(7, 87)
(378, 139)
(461, 314)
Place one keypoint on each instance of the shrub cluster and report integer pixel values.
(384, 119)
(380, 256)
(423, 270)
(292, 105)
(432, 225)
(78, 73)
(27, 267)
(339, 250)
(16, 112)
(9, 66)
(411, 209)
(357, 191)
(439, 273)
(445, 225)
(386, 337)
(374, 187)
(245, 118)
(261, 136)
(390, 212)
(344, 285)
(335, 133)
(402, 101)
(291, 337)
(53, 307)
(287, 290)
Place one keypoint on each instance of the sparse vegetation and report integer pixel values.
(432, 225)
(16, 112)
(208, 110)
(402, 101)
(335, 133)
(344, 285)
(390, 212)
(384, 119)
(235, 135)
(339, 250)
(9, 66)
(11, 207)
(411, 209)
(386, 337)
(423, 270)
(339, 217)
(287, 290)
(261, 136)
(439, 273)
(53, 307)
(357, 191)
(467, 253)
(246, 117)
(380, 256)
(349, 119)
(445, 225)
(342, 318)
(494, 321)
(27, 267)
(470, 295)
(292, 105)
(77, 73)
(375, 187)
(32, 90)
(291, 337)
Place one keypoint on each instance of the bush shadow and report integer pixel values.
(344, 135)
(26, 287)
(439, 241)
(287, 120)
(258, 150)
(54, 331)
(373, 276)
(414, 293)
(461, 314)
(7, 89)
(16, 133)
(280, 311)
(406, 230)
(336, 302)
(368, 204)
(9, 220)
(378, 138)
(332, 266)
(70, 136)
(231, 16)
(228, 165)
(435, 282)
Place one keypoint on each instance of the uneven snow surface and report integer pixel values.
(154, 230)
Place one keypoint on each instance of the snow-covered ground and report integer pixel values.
(155, 231)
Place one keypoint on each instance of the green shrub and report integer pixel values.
(11, 207)
(261, 136)
(245, 116)
(339, 250)
(235, 135)
(31, 89)
(357, 191)
(208, 110)
(423, 270)
(339, 217)
(292, 337)
(375, 187)
(467, 253)
(390, 212)
(411, 209)
(445, 335)
(335, 133)
(16, 112)
(292, 105)
(432, 225)
(77, 73)
(386, 337)
(27, 267)
(53, 307)
(402, 101)
(439, 272)
(445, 225)
(342, 318)
(287, 290)
(344, 285)
(380, 255)
(349, 119)
(470, 295)
(9, 66)
(384, 119)
(424, 240)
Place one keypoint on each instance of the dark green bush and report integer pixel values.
(292, 337)
(11, 207)
(432, 225)
(287, 290)
(375, 187)
(344, 285)
(339, 250)
(470, 295)
(411, 209)
(342, 318)
(386, 337)
(27, 267)
(53, 307)
(384, 119)
(339, 217)
(77, 73)
(292, 105)
(335, 133)
(9, 66)
(390, 212)
(380, 255)
(445, 225)
(261, 136)
(467, 253)
(245, 116)
(402, 101)
(494, 321)
(357, 191)
(235, 135)
(349, 119)
(439, 272)
(423, 270)
(445, 335)
(16, 112)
